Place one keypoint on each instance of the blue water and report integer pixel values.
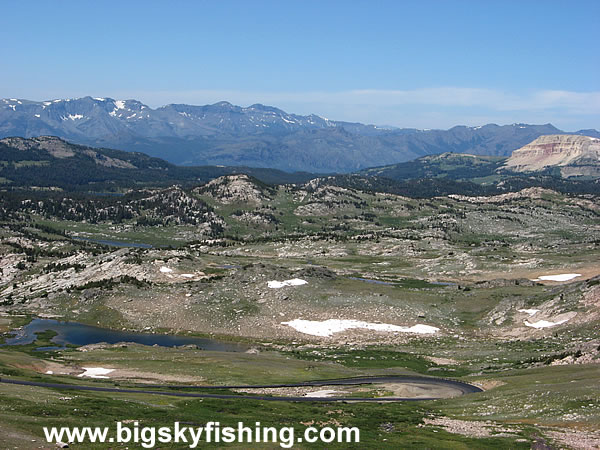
(80, 334)
(368, 280)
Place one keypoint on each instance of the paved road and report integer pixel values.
(463, 387)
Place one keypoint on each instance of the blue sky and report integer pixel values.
(425, 64)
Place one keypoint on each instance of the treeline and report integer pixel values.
(59, 267)
(109, 283)
(165, 207)
(82, 172)
(454, 166)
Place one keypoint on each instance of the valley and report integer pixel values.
(315, 281)
(309, 225)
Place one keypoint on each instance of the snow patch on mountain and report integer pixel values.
(325, 328)
(292, 282)
(72, 117)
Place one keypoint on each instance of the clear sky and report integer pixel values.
(425, 64)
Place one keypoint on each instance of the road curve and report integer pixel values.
(465, 388)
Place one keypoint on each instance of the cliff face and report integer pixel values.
(575, 155)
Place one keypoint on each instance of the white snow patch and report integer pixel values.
(544, 323)
(73, 117)
(292, 282)
(323, 393)
(100, 99)
(47, 103)
(95, 372)
(49, 372)
(559, 277)
(187, 275)
(120, 104)
(37, 115)
(331, 326)
(164, 269)
(531, 312)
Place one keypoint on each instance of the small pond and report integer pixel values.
(79, 334)
(369, 280)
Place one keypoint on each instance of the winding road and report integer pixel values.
(464, 388)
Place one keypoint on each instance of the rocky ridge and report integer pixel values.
(235, 189)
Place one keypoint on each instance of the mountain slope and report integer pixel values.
(455, 166)
(572, 155)
(255, 136)
(48, 161)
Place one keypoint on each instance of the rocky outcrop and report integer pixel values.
(574, 155)
(233, 189)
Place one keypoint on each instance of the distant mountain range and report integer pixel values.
(255, 136)
(51, 164)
